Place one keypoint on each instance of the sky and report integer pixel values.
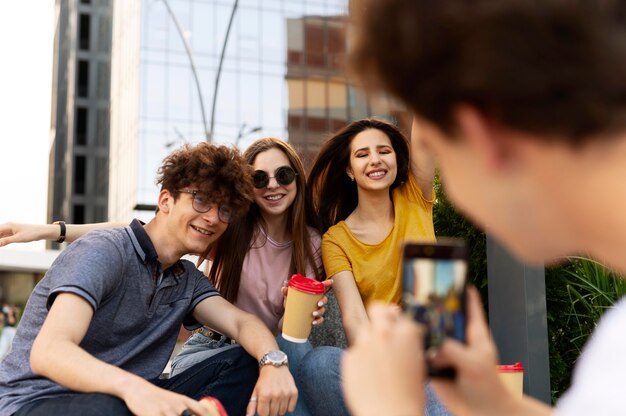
(26, 46)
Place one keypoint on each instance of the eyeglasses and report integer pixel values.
(284, 175)
(202, 204)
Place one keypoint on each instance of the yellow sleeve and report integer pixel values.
(414, 194)
(334, 257)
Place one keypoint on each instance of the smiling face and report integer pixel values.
(192, 230)
(373, 163)
(275, 198)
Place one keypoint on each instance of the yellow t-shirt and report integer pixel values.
(376, 268)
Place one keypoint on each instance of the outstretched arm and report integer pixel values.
(422, 161)
(12, 232)
(353, 313)
(56, 354)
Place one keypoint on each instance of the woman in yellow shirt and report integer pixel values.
(372, 189)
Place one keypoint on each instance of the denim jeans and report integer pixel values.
(200, 347)
(229, 376)
(196, 349)
(320, 380)
(295, 353)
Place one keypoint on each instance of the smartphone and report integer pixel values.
(434, 280)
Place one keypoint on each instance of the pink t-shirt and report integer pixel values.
(266, 266)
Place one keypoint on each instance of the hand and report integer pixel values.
(11, 232)
(275, 392)
(383, 372)
(318, 314)
(148, 399)
(477, 388)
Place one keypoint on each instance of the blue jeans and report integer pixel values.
(229, 376)
(197, 349)
(200, 347)
(320, 378)
(295, 353)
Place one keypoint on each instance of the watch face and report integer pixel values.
(276, 356)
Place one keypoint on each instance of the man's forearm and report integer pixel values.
(255, 338)
(74, 368)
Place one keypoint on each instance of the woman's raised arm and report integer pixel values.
(422, 161)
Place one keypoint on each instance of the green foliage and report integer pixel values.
(578, 293)
(449, 223)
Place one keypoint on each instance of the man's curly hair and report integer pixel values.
(220, 172)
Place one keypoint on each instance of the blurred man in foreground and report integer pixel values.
(524, 105)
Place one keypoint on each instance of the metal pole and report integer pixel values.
(207, 134)
(219, 68)
(518, 317)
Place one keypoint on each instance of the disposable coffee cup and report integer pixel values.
(513, 377)
(302, 297)
(213, 406)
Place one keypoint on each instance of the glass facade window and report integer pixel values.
(102, 128)
(83, 79)
(80, 174)
(104, 79)
(102, 175)
(84, 31)
(104, 33)
(81, 126)
(78, 214)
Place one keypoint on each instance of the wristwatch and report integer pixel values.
(276, 358)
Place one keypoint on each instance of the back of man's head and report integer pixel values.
(548, 67)
(220, 172)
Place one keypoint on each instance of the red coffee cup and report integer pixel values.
(214, 406)
(302, 297)
(513, 377)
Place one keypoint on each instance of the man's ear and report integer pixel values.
(166, 200)
(487, 137)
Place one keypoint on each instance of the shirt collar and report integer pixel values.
(145, 249)
(141, 241)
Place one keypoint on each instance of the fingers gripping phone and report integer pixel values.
(434, 277)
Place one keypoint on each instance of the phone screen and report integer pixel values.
(434, 278)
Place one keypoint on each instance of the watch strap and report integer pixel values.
(266, 360)
(61, 224)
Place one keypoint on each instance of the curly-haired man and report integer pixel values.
(98, 330)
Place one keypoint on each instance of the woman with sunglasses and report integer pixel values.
(252, 259)
(372, 190)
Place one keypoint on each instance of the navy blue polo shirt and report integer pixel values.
(136, 317)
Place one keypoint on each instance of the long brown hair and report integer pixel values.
(331, 193)
(232, 247)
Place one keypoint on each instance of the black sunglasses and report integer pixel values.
(201, 203)
(284, 175)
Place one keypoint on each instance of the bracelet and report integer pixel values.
(62, 234)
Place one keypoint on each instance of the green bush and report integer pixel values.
(578, 293)
(449, 223)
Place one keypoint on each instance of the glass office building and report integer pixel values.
(281, 74)
(136, 79)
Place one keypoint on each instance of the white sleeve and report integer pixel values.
(598, 386)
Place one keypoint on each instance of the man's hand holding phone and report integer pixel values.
(477, 388)
(434, 279)
(383, 371)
